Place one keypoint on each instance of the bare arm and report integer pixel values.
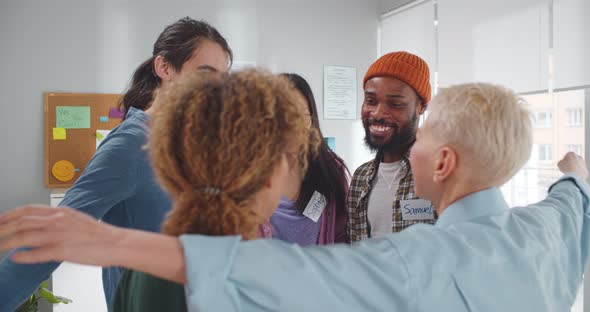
(156, 254)
(64, 234)
(572, 163)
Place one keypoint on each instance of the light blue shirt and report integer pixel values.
(480, 256)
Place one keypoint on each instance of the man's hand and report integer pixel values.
(572, 163)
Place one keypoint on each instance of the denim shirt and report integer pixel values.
(117, 186)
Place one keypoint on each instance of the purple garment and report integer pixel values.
(288, 224)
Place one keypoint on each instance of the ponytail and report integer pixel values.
(209, 214)
(141, 90)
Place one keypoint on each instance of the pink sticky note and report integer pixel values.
(114, 112)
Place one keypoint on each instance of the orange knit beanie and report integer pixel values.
(406, 67)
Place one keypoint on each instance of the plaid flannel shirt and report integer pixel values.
(358, 199)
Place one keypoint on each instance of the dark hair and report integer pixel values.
(326, 172)
(176, 44)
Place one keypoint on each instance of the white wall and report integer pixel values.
(93, 46)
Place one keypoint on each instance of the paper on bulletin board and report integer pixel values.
(72, 117)
(59, 134)
(340, 92)
(116, 112)
(100, 135)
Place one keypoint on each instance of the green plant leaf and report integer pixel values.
(63, 300)
(31, 305)
(48, 295)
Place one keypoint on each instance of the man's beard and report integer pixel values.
(402, 137)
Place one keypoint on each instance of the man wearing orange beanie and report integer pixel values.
(381, 199)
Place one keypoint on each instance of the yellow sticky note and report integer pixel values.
(59, 133)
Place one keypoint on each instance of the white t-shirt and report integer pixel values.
(380, 208)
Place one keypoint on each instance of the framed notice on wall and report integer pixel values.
(340, 95)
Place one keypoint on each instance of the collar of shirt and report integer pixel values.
(138, 113)
(374, 167)
(486, 202)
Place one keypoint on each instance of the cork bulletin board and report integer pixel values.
(75, 124)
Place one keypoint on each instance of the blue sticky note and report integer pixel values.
(104, 119)
(331, 141)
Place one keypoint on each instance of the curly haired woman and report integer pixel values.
(223, 147)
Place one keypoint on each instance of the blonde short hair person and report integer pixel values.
(479, 256)
(480, 133)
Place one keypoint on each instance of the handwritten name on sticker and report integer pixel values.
(417, 209)
(315, 207)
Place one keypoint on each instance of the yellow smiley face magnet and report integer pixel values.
(63, 170)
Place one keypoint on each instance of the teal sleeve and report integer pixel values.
(570, 197)
(225, 274)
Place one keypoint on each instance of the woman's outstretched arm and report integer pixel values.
(64, 234)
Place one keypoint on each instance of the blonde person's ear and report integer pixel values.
(163, 68)
(445, 164)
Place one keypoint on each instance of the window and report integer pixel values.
(576, 148)
(545, 152)
(543, 119)
(550, 144)
(574, 117)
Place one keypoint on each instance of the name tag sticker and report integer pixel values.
(315, 207)
(417, 209)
